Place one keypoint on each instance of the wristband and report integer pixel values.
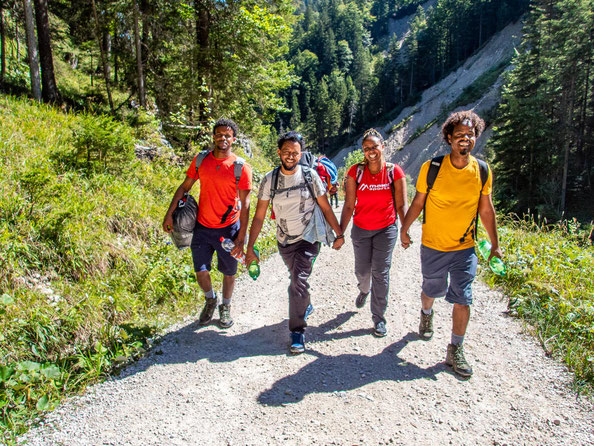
(339, 236)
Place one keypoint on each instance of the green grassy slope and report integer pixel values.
(87, 274)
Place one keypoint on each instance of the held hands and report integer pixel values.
(338, 243)
(405, 239)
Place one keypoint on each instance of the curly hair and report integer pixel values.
(291, 136)
(466, 117)
(369, 133)
(224, 122)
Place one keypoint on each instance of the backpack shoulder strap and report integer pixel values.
(473, 227)
(274, 183)
(309, 181)
(390, 167)
(237, 168)
(484, 171)
(359, 176)
(432, 172)
(200, 157)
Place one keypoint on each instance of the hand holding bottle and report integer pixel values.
(229, 246)
(252, 260)
(495, 263)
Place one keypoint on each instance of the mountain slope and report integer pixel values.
(414, 136)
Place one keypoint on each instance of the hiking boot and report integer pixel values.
(379, 331)
(207, 311)
(297, 342)
(455, 358)
(225, 320)
(361, 299)
(309, 310)
(426, 326)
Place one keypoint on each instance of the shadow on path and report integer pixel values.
(328, 374)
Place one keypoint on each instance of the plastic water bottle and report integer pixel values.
(496, 264)
(253, 268)
(228, 246)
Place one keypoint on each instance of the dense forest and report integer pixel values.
(544, 138)
(353, 72)
(328, 68)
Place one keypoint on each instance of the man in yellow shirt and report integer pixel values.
(450, 212)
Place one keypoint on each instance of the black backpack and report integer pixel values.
(432, 175)
(307, 159)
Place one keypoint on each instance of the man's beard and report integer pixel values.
(287, 167)
(464, 152)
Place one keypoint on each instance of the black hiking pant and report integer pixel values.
(299, 258)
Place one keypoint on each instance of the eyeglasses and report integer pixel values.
(290, 154)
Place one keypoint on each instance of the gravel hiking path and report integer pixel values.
(206, 386)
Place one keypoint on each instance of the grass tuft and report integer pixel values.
(550, 284)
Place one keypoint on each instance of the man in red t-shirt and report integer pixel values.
(223, 212)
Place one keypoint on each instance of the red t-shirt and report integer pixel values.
(217, 189)
(374, 208)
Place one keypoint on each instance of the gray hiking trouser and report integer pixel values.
(299, 258)
(373, 258)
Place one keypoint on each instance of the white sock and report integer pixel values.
(210, 294)
(427, 312)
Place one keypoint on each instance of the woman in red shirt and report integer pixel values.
(376, 192)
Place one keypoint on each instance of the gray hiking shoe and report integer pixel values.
(379, 331)
(455, 358)
(225, 320)
(426, 326)
(361, 299)
(207, 311)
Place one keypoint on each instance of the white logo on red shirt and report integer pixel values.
(374, 187)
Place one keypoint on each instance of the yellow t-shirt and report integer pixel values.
(452, 204)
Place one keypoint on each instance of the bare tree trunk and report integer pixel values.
(49, 89)
(116, 65)
(107, 49)
(141, 93)
(103, 59)
(32, 50)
